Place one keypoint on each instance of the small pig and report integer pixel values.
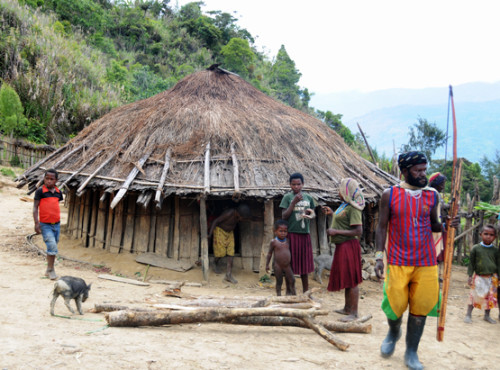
(70, 288)
(321, 262)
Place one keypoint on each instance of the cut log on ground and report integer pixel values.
(131, 318)
(337, 326)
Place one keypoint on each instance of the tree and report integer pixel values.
(238, 56)
(284, 78)
(334, 121)
(425, 137)
(12, 119)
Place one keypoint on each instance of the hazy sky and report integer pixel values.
(370, 45)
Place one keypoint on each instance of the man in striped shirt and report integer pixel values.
(408, 217)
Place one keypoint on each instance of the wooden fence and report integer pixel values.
(20, 153)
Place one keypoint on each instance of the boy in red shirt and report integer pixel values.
(47, 217)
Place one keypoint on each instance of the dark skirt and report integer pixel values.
(346, 266)
(302, 255)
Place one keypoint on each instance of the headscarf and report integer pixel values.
(410, 159)
(436, 179)
(352, 193)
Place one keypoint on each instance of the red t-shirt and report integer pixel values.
(48, 210)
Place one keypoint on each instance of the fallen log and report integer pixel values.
(131, 318)
(337, 326)
(105, 307)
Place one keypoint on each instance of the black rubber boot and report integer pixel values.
(414, 332)
(389, 344)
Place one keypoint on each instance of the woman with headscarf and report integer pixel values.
(345, 230)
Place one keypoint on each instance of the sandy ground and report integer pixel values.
(31, 338)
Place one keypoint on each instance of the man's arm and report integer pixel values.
(36, 205)
(221, 219)
(381, 233)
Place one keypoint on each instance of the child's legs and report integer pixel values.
(50, 234)
(290, 281)
(278, 273)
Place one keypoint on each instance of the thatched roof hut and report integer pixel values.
(212, 136)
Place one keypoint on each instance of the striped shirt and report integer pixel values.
(410, 241)
(49, 211)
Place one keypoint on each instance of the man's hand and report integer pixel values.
(38, 229)
(455, 222)
(379, 269)
(327, 210)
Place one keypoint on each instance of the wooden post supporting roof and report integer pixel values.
(324, 247)
(268, 234)
(131, 176)
(236, 172)
(204, 238)
(163, 177)
(207, 169)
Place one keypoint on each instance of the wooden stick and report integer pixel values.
(122, 280)
(80, 168)
(268, 234)
(236, 172)
(320, 329)
(367, 145)
(204, 238)
(207, 169)
(130, 178)
(103, 164)
(466, 231)
(163, 177)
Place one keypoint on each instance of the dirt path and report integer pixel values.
(31, 338)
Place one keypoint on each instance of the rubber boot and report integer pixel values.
(389, 344)
(414, 332)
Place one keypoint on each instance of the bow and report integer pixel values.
(450, 231)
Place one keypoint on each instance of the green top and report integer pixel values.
(483, 260)
(343, 220)
(297, 224)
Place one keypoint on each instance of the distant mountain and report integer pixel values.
(386, 115)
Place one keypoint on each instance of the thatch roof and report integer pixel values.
(213, 110)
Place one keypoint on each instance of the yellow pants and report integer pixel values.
(416, 286)
(223, 243)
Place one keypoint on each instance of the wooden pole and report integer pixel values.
(163, 177)
(177, 237)
(367, 145)
(207, 169)
(204, 238)
(236, 172)
(130, 178)
(268, 234)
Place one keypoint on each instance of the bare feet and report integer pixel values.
(468, 320)
(489, 319)
(349, 318)
(342, 311)
(230, 279)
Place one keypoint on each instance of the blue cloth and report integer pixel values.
(50, 233)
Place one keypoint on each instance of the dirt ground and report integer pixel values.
(31, 338)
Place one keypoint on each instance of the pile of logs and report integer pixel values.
(300, 311)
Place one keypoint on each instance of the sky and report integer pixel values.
(367, 45)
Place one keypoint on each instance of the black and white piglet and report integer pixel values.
(70, 288)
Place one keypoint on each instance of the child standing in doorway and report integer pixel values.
(281, 249)
(47, 217)
(298, 209)
(483, 275)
